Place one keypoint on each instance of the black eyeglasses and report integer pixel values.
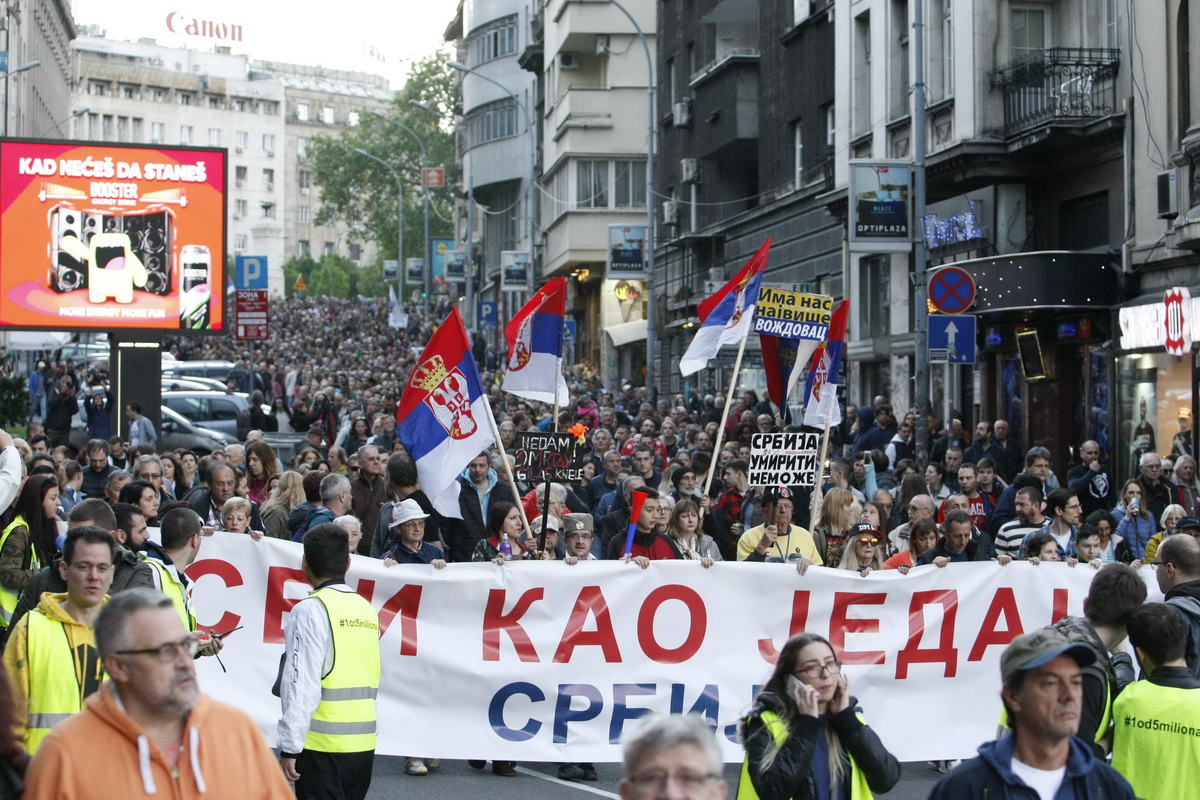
(814, 671)
(167, 652)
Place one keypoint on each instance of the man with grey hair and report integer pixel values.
(235, 455)
(368, 490)
(353, 529)
(920, 507)
(152, 695)
(116, 481)
(335, 502)
(678, 749)
(1156, 490)
(149, 468)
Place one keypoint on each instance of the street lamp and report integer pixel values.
(469, 267)
(530, 188)
(79, 112)
(427, 270)
(651, 315)
(399, 213)
(8, 74)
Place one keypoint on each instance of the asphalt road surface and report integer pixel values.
(456, 781)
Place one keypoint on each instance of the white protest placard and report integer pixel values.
(541, 661)
(784, 459)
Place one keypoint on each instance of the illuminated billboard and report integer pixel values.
(107, 237)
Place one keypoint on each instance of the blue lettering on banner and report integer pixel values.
(496, 711)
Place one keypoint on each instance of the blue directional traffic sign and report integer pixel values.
(951, 339)
(568, 331)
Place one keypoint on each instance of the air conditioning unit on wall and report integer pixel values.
(568, 60)
(689, 168)
(1168, 194)
(670, 212)
(681, 114)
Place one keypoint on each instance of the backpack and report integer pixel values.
(317, 516)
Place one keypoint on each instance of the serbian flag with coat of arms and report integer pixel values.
(820, 391)
(443, 419)
(535, 340)
(726, 317)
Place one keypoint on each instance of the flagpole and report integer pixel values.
(814, 506)
(546, 499)
(737, 366)
(512, 482)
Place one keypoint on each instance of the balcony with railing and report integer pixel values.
(1058, 85)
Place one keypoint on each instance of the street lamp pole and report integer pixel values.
(399, 213)
(531, 188)
(651, 314)
(427, 270)
(79, 112)
(8, 74)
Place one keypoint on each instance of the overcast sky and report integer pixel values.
(346, 34)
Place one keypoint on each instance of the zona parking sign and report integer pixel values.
(951, 290)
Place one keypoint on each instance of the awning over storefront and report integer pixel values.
(1043, 280)
(627, 332)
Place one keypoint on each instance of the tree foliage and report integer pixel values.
(358, 191)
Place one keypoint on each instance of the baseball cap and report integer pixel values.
(1036, 649)
(573, 523)
(1188, 523)
(406, 510)
(776, 493)
(865, 527)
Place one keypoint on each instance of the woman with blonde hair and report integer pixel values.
(805, 737)
(863, 552)
(834, 525)
(275, 509)
(1171, 516)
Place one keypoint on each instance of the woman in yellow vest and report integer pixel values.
(805, 738)
(28, 542)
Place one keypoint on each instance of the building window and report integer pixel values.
(630, 190)
(355, 252)
(302, 112)
(1028, 31)
(158, 133)
(800, 10)
(215, 101)
(304, 179)
(240, 174)
(591, 184)
(186, 98)
(798, 153)
(490, 122)
(352, 119)
(269, 179)
(239, 104)
(329, 249)
(862, 74)
(270, 107)
(947, 49)
(876, 294)
(131, 92)
(829, 111)
(301, 146)
(158, 95)
(269, 143)
(1084, 223)
(240, 208)
(243, 140)
(99, 88)
(214, 137)
(494, 40)
(239, 242)
(185, 134)
(303, 248)
(303, 215)
(136, 129)
(899, 60)
(327, 115)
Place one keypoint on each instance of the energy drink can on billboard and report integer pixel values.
(195, 290)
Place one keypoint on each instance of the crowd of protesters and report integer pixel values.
(335, 370)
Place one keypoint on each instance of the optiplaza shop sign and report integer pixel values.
(1167, 324)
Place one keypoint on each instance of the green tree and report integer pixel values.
(359, 191)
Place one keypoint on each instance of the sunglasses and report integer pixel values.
(868, 540)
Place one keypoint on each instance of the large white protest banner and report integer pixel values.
(550, 662)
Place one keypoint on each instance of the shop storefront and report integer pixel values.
(1155, 372)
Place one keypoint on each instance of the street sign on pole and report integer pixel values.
(251, 272)
(951, 290)
(250, 315)
(951, 339)
(568, 331)
(433, 177)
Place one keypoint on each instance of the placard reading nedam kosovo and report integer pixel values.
(793, 315)
(783, 459)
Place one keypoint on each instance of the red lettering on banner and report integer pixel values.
(945, 652)
(696, 630)
(590, 601)
(840, 625)
(230, 575)
(1059, 606)
(406, 603)
(277, 604)
(495, 620)
(1004, 604)
(766, 647)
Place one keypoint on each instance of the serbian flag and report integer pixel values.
(726, 316)
(535, 335)
(442, 420)
(820, 392)
(636, 501)
(783, 362)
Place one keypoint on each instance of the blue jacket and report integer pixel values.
(989, 776)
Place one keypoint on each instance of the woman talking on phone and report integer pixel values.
(805, 738)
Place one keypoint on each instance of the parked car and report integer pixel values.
(216, 411)
(175, 383)
(175, 432)
(219, 370)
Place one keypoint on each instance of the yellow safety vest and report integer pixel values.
(54, 686)
(1156, 741)
(859, 789)
(173, 589)
(344, 721)
(9, 598)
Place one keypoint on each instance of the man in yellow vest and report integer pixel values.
(181, 531)
(51, 655)
(329, 678)
(1156, 743)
